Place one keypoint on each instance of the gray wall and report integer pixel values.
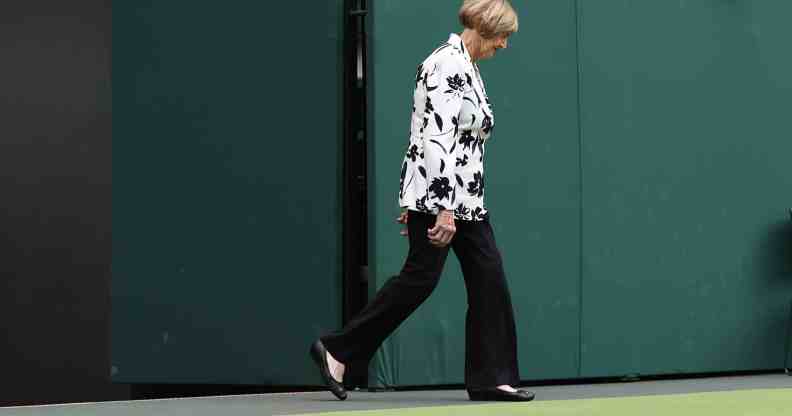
(55, 214)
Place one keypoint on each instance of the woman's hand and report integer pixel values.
(443, 231)
(402, 219)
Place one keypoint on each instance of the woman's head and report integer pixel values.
(492, 20)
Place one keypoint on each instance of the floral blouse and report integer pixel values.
(451, 121)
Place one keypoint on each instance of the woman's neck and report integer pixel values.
(472, 42)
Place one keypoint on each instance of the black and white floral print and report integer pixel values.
(476, 186)
(443, 167)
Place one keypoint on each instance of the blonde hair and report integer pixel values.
(490, 18)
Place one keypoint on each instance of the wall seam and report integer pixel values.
(577, 9)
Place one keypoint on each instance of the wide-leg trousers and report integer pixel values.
(490, 334)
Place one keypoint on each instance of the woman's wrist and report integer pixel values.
(446, 215)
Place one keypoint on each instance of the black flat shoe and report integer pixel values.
(497, 395)
(319, 355)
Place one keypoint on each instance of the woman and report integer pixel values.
(441, 191)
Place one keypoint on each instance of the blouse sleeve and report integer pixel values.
(444, 89)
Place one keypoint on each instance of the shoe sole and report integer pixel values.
(485, 397)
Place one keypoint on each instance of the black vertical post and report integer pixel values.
(355, 242)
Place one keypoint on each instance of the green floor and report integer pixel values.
(737, 403)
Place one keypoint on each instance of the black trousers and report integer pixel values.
(490, 335)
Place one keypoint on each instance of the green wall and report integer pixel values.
(638, 179)
(686, 167)
(226, 193)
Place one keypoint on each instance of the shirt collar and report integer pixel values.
(456, 41)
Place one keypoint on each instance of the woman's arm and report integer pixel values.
(444, 87)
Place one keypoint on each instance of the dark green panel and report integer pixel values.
(226, 231)
(686, 165)
(532, 189)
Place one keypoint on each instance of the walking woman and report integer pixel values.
(441, 191)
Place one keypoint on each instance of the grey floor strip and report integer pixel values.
(299, 403)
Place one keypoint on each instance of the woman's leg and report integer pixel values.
(490, 333)
(396, 300)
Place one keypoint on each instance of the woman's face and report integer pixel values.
(490, 46)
